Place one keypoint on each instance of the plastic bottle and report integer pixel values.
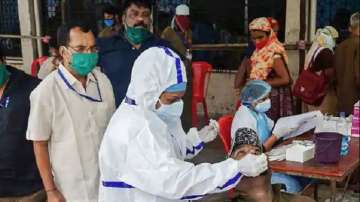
(342, 127)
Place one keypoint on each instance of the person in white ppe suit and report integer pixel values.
(142, 155)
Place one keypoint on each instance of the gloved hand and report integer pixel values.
(209, 132)
(253, 165)
(283, 129)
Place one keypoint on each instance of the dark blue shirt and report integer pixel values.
(116, 59)
(19, 174)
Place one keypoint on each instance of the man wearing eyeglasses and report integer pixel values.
(118, 53)
(69, 113)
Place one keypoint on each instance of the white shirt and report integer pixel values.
(73, 126)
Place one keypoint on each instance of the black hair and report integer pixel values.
(53, 38)
(63, 32)
(110, 9)
(53, 43)
(140, 3)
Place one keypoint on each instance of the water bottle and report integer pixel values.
(343, 129)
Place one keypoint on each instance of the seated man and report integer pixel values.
(258, 188)
(252, 188)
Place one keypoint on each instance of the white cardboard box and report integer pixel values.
(300, 153)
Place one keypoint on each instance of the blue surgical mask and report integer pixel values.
(263, 107)
(109, 22)
(171, 111)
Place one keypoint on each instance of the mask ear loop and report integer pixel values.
(126, 26)
(69, 52)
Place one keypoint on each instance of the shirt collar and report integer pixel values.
(72, 80)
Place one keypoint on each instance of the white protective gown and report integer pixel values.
(142, 157)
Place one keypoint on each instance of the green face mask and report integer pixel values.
(4, 74)
(137, 35)
(84, 63)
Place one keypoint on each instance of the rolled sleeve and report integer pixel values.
(40, 118)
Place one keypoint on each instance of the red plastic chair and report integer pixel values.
(201, 72)
(225, 131)
(225, 136)
(35, 65)
(237, 105)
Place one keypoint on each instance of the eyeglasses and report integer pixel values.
(84, 49)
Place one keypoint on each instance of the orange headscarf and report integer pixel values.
(262, 60)
(273, 23)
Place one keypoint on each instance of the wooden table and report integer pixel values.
(311, 169)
